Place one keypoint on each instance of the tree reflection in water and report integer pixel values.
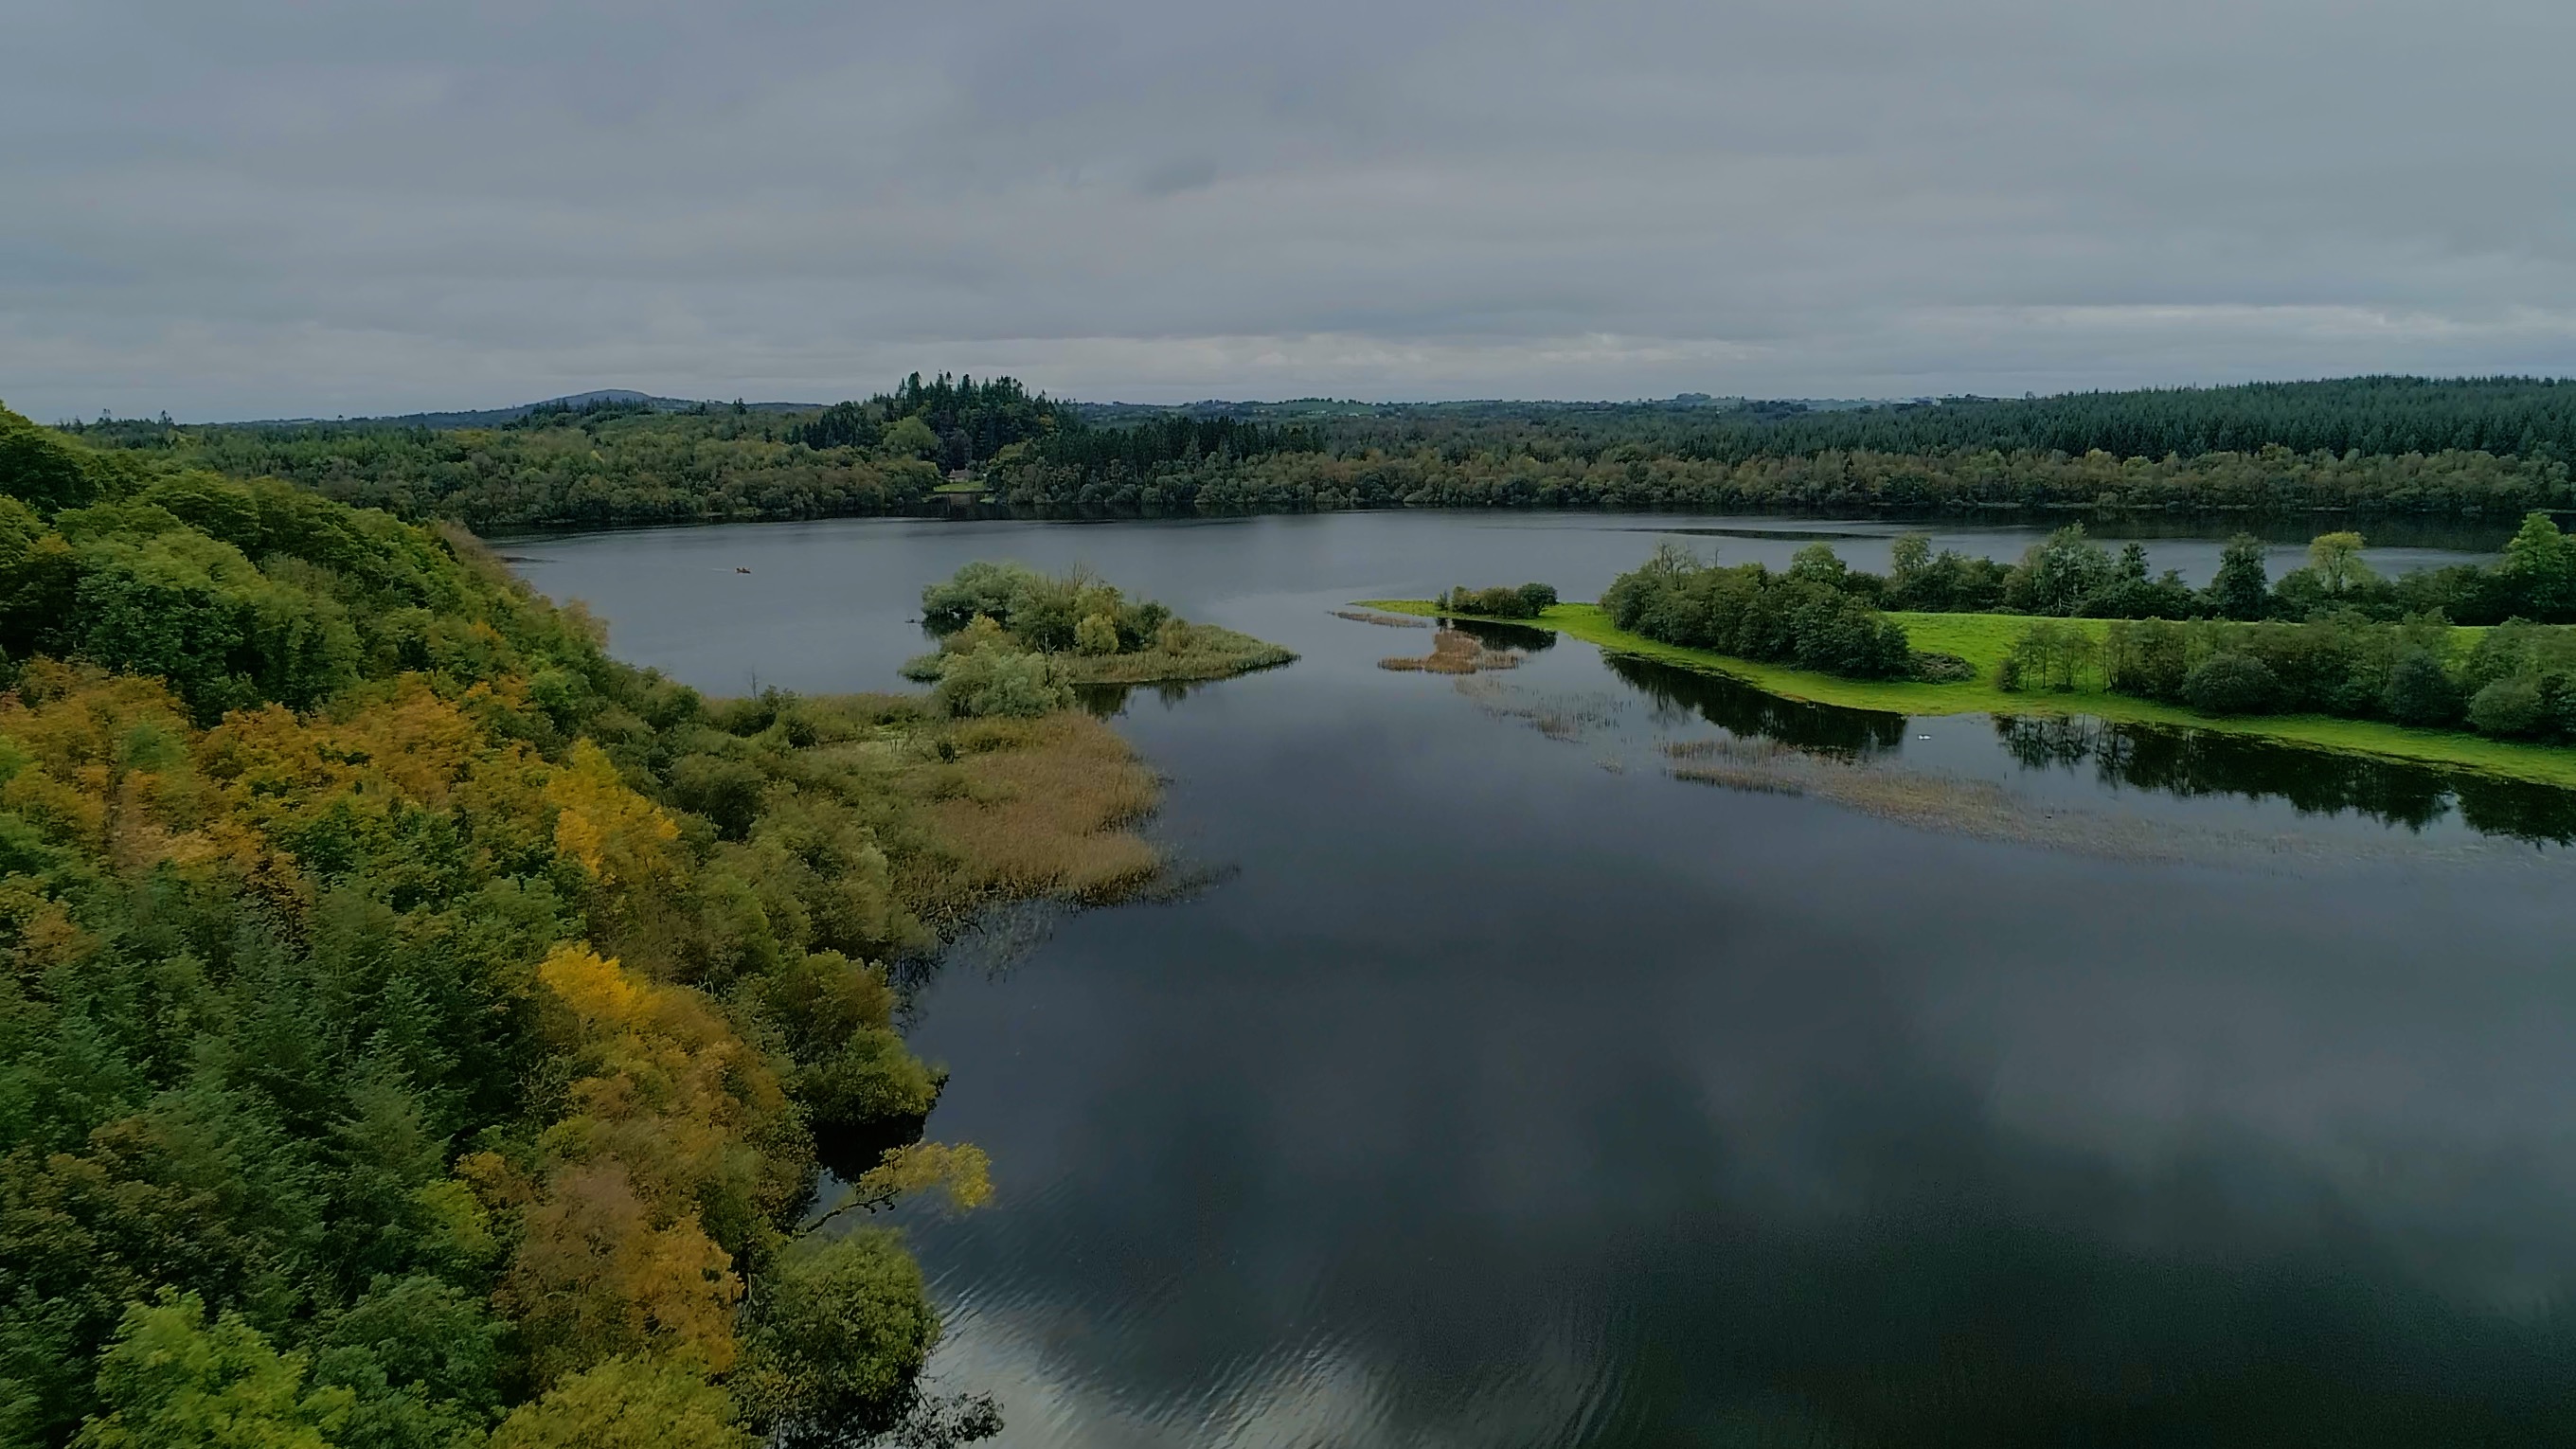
(2182, 762)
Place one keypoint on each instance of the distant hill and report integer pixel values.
(618, 398)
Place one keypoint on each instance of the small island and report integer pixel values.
(1015, 641)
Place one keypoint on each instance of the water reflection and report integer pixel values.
(1740, 709)
(2184, 763)
(1108, 701)
(1523, 637)
(2188, 763)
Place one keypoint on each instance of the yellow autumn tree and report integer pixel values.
(616, 834)
(655, 1176)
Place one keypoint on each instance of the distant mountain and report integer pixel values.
(620, 397)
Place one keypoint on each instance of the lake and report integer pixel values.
(1934, 1081)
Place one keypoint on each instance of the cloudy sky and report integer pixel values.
(267, 207)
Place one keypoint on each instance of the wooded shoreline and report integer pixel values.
(1984, 640)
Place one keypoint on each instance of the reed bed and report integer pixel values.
(1566, 717)
(1756, 749)
(1032, 808)
(1386, 621)
(1453, 652)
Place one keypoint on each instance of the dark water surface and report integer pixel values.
(1510, 1091)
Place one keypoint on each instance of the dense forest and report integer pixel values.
(422, 1031)
(2492, 448)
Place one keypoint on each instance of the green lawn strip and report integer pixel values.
(1984, 639)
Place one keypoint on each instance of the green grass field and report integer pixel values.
(1984, 639)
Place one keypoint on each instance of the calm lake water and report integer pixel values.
(2011, 1084)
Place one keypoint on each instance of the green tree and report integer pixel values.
(2336, 557)
(912, 438)
(1911, 555)
(2539, 567)
(2243, 586)
(2057, 575)
(174, 1382)
(840, 1329)
(626, 1403)
(1817, 563)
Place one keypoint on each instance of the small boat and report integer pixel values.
(737, 568)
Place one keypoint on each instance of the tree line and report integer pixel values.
(2468, 447)
(420, 1029)
(1549, 473)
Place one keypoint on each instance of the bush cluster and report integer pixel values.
(1046, 612)
(2517, 681)
(1799, 617)
(1503, 601)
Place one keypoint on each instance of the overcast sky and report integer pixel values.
(272, 207)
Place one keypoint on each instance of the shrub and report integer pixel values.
(1096, 634)
(725, 791)
(2510, 708)
(2231, 684)
(994, 682)
(2420, 691)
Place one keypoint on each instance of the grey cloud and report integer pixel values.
(272, 207)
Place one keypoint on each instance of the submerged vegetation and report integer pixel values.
(421, 1029)
(1014, 641)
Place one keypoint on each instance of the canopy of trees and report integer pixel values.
(420, 1029)
(2474, 447)
(1802, 616)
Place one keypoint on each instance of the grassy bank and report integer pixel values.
(1984, 639)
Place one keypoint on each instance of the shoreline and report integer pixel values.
(1980, 639)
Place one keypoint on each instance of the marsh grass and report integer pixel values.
(1390, 621)
(1454, 652)
(1186, 653)
(1031, 808)
(1757, 749)
(1737, 777)
(971, 813)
